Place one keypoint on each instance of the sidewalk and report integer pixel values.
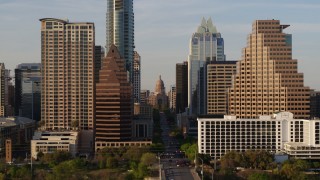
(194, 174)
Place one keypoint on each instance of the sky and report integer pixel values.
(163, 29)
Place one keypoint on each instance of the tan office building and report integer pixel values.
(2, 89)
(267, 78)
(219, 79)
(67, 57)
(136, 77)
(113, 101)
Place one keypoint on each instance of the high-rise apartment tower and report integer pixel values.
(267, 78)
(67, 58)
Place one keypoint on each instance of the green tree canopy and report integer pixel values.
(148, 159)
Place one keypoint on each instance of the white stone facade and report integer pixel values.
(49, 142)
(278, 133)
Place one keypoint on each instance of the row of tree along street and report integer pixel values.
(114, 163)
(253, 165)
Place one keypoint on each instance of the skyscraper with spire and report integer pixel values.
(206, 45)
(120, 30)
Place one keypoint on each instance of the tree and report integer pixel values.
(142, 170)
(2, 176)
(69, 169)
(230, 161)
(148, 159)
(294, 169)
(258, 176)
(40, 155)
(185, 147)
(190, 150)
(112, 162)
(75, 124)
(56, 157)
(19, 173)
(134, 153)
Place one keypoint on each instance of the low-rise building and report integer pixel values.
(49, 142)
(142, 123)
(19, 130)
(299, 138)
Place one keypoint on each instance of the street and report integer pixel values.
(174, 166)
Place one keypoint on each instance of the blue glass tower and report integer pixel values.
(120, 30)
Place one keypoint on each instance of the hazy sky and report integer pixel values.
(163, 29)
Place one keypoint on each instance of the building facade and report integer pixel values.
(98, 57)
(50, 142)
(2, 89)
(28, 90)
(172, 98)
(181, 87)
(120, 30)
(219, 79)
(136, 77)
(267, 78)
(142, 124)
(315, 104)
(6, 94)
(144, 96)
(114, 110)
(67, 84)
(278, 133)
(20, 131)
(206, 44)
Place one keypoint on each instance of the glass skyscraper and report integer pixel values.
(120, 30)
(28, 90)
(206, 45)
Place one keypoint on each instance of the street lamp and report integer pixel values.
(159, 154)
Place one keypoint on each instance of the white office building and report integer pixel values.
(299, 138)
(49, 142)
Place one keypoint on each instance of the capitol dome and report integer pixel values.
(159, 89)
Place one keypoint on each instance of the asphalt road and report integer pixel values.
(169, 166)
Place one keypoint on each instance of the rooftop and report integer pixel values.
(13, 121)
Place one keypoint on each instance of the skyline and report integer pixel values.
(163, 30)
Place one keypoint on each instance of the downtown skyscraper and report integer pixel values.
(267, 78)
(181, 87)
(113, 101)
(67, 58)
(120, 30)
(2, 89)
(28, 90)
(136, 77)
(6, 92)
(206, 44)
